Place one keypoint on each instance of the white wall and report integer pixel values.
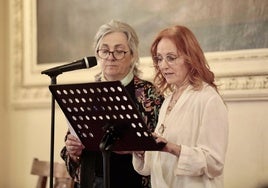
(247, 156)
(29, 131)
(3, 70)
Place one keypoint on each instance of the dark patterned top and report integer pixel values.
(122, 173)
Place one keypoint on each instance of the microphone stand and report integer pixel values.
(53, 77)
(53, 73)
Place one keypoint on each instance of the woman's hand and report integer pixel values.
(74, 147)
(159, 139)
(169, 147)
(139, 154)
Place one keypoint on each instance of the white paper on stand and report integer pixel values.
(71, 129)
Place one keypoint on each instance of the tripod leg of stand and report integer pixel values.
(106, 168)
(105, 146)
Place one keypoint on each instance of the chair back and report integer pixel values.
(60, 174)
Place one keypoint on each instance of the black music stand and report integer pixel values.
(104, 118)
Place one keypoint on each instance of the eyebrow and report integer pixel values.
(116, 46)
(169, 53)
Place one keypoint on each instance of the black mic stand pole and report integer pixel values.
(53, 77)
(52, 132)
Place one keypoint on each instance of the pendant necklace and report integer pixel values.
(175, 97)
(171, 104)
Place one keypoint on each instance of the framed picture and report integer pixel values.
(44, 34)
(66, 28)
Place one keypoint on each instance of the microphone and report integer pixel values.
(86, 62)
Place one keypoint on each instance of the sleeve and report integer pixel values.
(139, 164)
(73, 168)
(149, 103)
(208, 156)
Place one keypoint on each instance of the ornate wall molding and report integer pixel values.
(241, 75)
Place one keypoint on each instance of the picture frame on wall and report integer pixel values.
(68, 31)
(241, 73)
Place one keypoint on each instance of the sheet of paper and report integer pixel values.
(72, 130)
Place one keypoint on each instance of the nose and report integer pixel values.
(111, 56)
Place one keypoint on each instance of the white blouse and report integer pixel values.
(199, 123)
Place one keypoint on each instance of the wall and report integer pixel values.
(25, 131)
(247, 164)
(3, 79)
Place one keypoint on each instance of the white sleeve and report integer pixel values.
(208, 156)
(141, 164)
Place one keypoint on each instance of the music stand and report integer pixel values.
(105, 118)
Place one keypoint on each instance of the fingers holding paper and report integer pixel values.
(74, 146)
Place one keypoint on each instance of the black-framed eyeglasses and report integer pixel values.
(117, 54)
(170, 59)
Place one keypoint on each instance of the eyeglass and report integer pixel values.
(170, 59)
(117, 54)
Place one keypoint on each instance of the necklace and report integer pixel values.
(176, 95)
(171, 104)
(161, 129)
(174, 98)
(173, 101)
